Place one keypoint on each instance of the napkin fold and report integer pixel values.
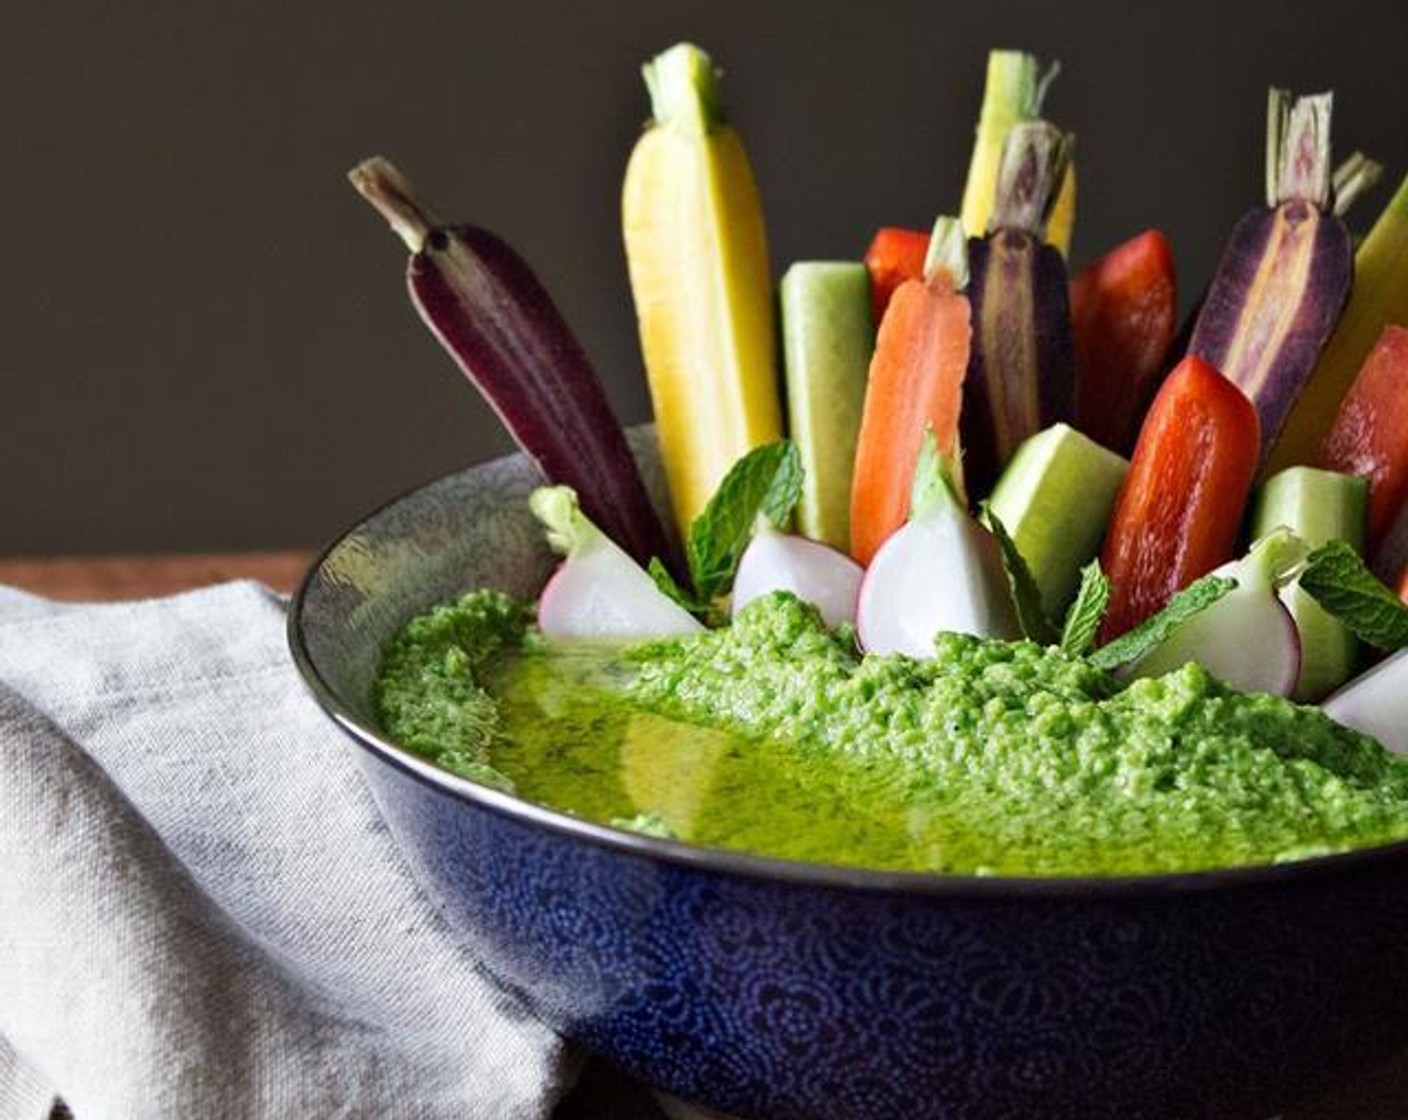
(201, 912)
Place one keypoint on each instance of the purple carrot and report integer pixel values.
(498, 323)
(1021, 376)
(1286, 272)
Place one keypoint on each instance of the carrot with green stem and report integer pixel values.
(1015, 88)
(915, 384)
(1379, 297)
(1286, 271)
(1021, 376)
(1180, 509)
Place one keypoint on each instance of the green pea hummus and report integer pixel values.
(775, 736)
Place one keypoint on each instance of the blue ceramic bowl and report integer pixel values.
(786, 991)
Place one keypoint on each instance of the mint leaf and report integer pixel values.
(1026, 596)
(1191, 601)
(705, 612)
(667, 585)
(786, 489)
(766, 482)
(1336, 578)
(1084, 617)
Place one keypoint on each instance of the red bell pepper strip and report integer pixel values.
(895, 255)
(1370, 432)
(1179, 511)
(1124, 312)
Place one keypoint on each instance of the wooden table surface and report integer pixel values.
(1379, 1095)
(110, 578)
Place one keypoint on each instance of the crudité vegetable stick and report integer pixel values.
(498, 323)
(1180, 509)
(1379, 297)
(1285, 273)
(827, 340)
(1370, 434)
(1390, 559)
(1013, 93)
(895, 255)
(1124, 311)
(916, 384)
(1021, 376)
(1318, 506)
(698, 260)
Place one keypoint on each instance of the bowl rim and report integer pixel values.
(774, 869)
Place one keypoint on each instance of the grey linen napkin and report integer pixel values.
(201, 913)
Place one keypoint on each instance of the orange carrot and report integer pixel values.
(1180, 508)
(915, 383)
(1403, 586)
(895, 255)
(1370, 432)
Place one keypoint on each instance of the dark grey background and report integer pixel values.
(204, 340)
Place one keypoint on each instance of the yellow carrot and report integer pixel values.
(1014, 92)
(1060, 226)
(698, 262)
(1378, 299)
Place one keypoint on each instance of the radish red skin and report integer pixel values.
(498, 323)
(1021, 376)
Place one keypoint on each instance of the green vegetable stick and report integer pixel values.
(1014, 91)
(827, 339)
(1319, 506)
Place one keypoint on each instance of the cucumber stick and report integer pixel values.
(827, 340)
(1318, 506)
(1379, 297)
(1013, 93)
(697, 254)
(1055, 499)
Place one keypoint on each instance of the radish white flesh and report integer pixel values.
(816, 573)
(1376, 703)
(940, 571)
(1247, 638)
(599, 591)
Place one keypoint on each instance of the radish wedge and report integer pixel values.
(941, 571)
(598, 592)
(1247, 638)
(814, 572)
(1376, 703)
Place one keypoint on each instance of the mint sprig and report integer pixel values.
(765, 483)
(1337, 579)
(1026, 596)
(709, 614)
(1087, 612)
(1191, 601)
